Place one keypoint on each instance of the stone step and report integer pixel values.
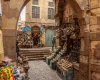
(36, 51)
(33, 59)
(23, 53)
(35, 48)
(38, 58)
(35, 54)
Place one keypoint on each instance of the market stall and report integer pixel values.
(64, 60)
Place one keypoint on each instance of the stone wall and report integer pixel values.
(95, 39)
(84, 51)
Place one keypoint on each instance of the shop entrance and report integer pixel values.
(35, 35)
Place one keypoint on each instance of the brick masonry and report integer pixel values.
(95, 39)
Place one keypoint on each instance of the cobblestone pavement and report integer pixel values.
(41, 71)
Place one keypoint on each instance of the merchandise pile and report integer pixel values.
(65, 64)
(23, 65)
(9, 71)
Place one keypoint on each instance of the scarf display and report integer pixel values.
(6, 73)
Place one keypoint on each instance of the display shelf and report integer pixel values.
(65, 69)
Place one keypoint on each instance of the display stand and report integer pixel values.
(65, 69)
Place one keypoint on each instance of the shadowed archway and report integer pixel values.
(35, 35)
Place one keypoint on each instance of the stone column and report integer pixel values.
(9, 42)
(10, 14)
(9, 23)
(84, 51)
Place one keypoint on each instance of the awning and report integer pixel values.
(26, 28)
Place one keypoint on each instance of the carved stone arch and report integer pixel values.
(74, 5)
(35, 30)
(23, 5)
(11, 10)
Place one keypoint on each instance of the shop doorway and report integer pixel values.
(35, 35)
(49, 36)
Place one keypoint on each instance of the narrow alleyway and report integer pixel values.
(41, 71)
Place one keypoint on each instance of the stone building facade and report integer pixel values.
(42, 12)
(37, 14)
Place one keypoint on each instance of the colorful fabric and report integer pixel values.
(6, 73)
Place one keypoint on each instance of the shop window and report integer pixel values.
(50, 13)
(35, 12)
(35, 2)
(50, 4)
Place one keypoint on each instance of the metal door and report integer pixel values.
(49, 37)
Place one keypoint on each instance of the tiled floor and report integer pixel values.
(41, 71)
